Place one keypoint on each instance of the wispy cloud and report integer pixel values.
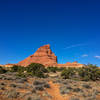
(85, 55)
(75, 45)
(98, 57)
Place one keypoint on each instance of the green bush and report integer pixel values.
(61, 69)
(17, 68)
(55, 69)
(21, 74)
(33, 69)
(68, 73)
(89, 72)
(2, 70)
(36, 69)
(52, 69)
(86, 73)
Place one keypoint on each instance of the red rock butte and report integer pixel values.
(45, 56)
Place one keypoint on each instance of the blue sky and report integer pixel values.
(71, 27)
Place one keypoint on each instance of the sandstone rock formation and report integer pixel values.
(9, 65)
(68, 64)
(43, 55)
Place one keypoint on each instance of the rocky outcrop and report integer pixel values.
(73, 64)
(9, 65)
(43, 55)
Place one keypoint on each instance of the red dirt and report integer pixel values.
(55, 93)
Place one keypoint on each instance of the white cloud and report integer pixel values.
(85, 55)
(73, 46)
(98, 57)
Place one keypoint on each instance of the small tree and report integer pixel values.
(68, 73)
(36, 69)
(52, 69)
(2, 70)
(89, 72)
(17, 68)
(55, 69)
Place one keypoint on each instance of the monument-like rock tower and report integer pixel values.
(43, 55)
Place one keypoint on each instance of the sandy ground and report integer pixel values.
(55, 93)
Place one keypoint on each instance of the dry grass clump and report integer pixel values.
(40, 85)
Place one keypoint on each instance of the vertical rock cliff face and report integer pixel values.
(43, 55)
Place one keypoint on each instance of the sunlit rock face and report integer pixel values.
(73, 64)
(43, 55)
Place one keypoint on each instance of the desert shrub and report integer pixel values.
(46, 94)
(65, 90)
(89, 72)
(2, 86)
(55, 69)
(77, 90)
(14, 68)
(61, 69)
(86, 73)
(20, 71)
(12, 85)
(2, 83)
(12, 93)
(46, 85)
(96, 92)
(38, 82)
(57, 81)
(30, 98)
(2, 70)
(74, 98)
(21, 74)
(33, 97)
(6, 77)
(52, 69)
(36, 69)
(1, 77)
(21, 80)
(17, 68)
(68, 73)
(87, 86)
(33, 90)
(40, 85)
